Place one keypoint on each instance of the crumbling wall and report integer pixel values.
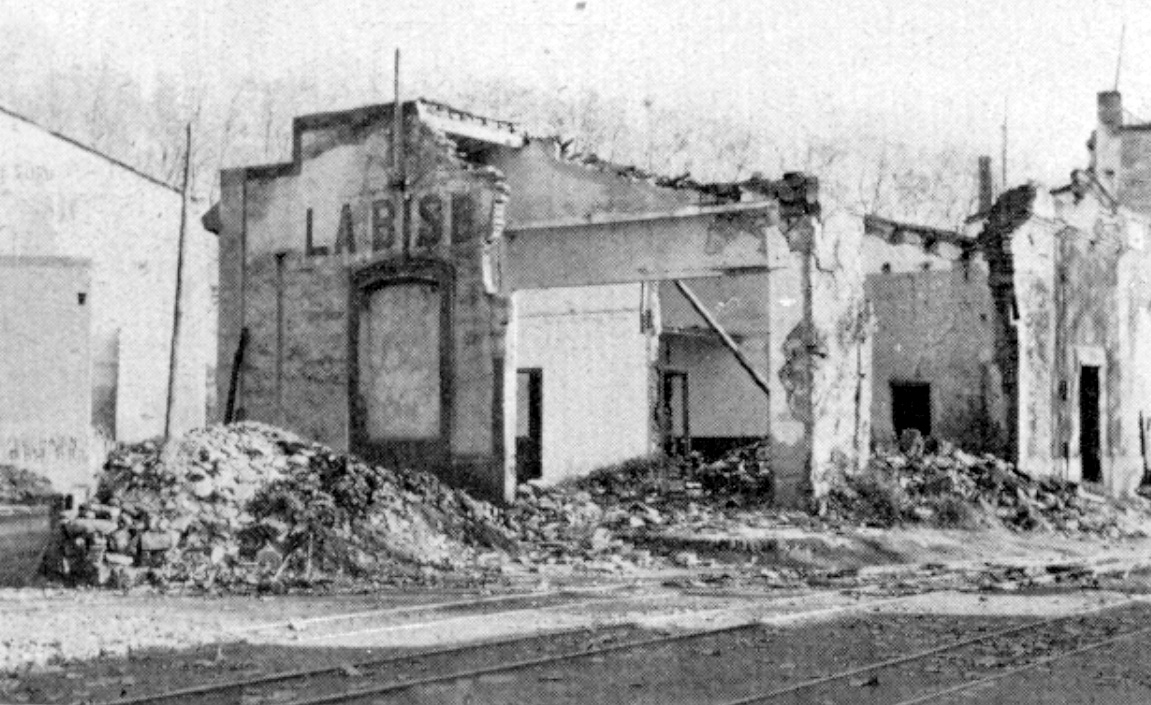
(936, 327)
(995, 242)
(549, 188)
(839, 352)
(303, 244)
(1034, 255)
(1069, 278)
(1137, 345)
(1103, 271)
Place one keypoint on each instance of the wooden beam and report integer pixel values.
(727, 339)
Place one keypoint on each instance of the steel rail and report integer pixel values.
(302, 674)
(305, 673)
(579, 602)
(1019, 669)
(375, 663)
(426, 607)
(926, 653)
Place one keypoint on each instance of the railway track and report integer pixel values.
(471, 605)
(395, 674)
(1005, 652)
(956, 666)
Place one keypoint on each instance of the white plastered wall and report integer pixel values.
(595, 360)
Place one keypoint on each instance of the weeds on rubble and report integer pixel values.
(952, 512)
(877, 497)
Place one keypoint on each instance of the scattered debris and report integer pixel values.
(23, 487)
(249, 506)
(936, 484)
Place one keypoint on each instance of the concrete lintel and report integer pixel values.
(622, 218)
(680, 244)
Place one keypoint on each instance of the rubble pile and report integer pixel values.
(248, 503)
(940, 485)
(20, 486)
(741, 478)
(605, 517)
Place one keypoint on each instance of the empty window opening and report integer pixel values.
(911, 407)
(529, 423)
(1089, 429)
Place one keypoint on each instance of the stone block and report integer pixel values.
(156, 541)
(90, 527)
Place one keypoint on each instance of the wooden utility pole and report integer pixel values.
(1119, 58)
(176, 312)
(1003, 147)
(399, 178)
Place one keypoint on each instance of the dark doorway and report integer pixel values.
(529, 424)
(1089, 450)
(911, 407)
(675, 423)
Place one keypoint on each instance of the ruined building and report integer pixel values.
(439, 290)
(1030, 336)
(934, 366)
(1071, 280)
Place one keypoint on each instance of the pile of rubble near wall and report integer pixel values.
(937, 484)
(246, 504)
(607, 516)
(231, 507)
(23, 487)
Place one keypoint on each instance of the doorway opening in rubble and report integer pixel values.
(911, 407)
(675, 423)
(529, 423)
(1089, 430)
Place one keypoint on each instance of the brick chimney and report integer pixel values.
(1111, 109)
(986, 187)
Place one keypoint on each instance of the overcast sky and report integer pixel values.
(930, 71)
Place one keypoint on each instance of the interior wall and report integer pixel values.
(594, 353)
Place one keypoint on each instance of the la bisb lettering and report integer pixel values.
(429, 226)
